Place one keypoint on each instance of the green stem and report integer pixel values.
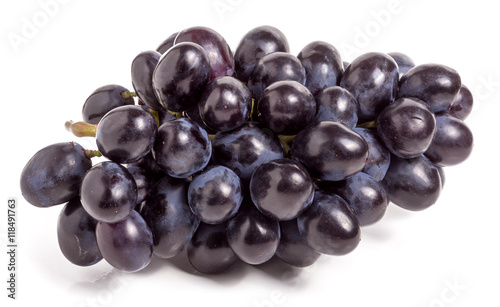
(81, 129)
(89, 153)
(176, 114)
(371, 124)
(128, 94)
(286, 140)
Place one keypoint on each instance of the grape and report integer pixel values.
(286, 107)
(462, 103)
(209, 251)
(245, 148)
(167, 43)
(293, 249)
(413, 184)
(76, 235)
(215, 194)
(126, 134)
(364, 195)
(404, 62)
(281, 189)
(252, 236)
(103, 100)
(257, 43)
(181, 76)
(322, 64)
(273, 67)
(54, 174)
(379, 157)
(329, 226)
(108, 192)
(435, 84)
(167, 213)
(330, 151)
(143, 181)
(452, 143)
(372, 79)
(126, 245)
(225, 104)
(406, 127)
(219, 54)
(336, 104)
(182, 148)
(142, 69)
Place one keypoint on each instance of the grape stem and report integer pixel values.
(286, 140)
(128, 94)
(89, 153)
(81, 129)
(371, 124)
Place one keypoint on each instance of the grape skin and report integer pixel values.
(76, 235)
(54, 174)
(167, 213)
(126, 245)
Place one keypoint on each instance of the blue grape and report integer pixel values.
(215, 194)
(126, 245)
(166, 212)
(54, 174)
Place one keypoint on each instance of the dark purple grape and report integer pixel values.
(54, 174)
(286, 107)
(257, 43)
(406, 127)
(364, 195)
(337, 104)
(225, 104)
(219, 53)
(76, 235)
(435, 84)
(103, 100)
(245, 148)
(372, 79)
(273, 67)
(215, 195)
(281, 189)
(253, 236)
(330, 151)
(167, 43)
(322, 64)
(413, 184)
(329, 226)
(209, 251)
(142, 69)
(462, 103)
(182, 148)
(452, 144)
(379, 157)
(404, 62)
(167, 213)
(143, 180)
(108, 192)
(293, 249)
(126, 134)
(126, 245)
(181, 76)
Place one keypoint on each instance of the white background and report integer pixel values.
(444, 256)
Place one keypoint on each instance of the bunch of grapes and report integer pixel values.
(249, 155)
